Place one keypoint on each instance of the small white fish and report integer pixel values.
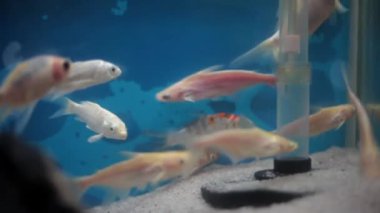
(319, 11)
(86, 74)
(98, 119)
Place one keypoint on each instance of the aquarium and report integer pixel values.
(147, 94)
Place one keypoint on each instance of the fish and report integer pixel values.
(319, 12)
(208, 124)
(29, 82)
(324, 120)
(97, 119)
(206, 84)
(146, 168)
(239, 144)
(369, 151)
(86, 74)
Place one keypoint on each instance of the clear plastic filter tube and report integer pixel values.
(293, 73)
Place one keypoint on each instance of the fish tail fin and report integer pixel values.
(340, 7)
(83, 183)
(267, 47)
(66, 110)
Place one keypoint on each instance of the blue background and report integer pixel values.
(157, 42)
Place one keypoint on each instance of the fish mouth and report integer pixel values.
(163, 97)
(123, 135)
(291, 147)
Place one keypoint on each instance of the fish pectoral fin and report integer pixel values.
(153, 168)
(95, 138)
(340, 125)
(189, 97)
(24, 118)
(87, 126)
(158, 177)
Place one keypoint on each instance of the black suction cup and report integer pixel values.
(285, 166)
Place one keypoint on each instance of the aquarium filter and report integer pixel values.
(293, 86)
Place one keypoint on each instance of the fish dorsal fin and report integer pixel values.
(210, 69)
(315, 109)
(203, 71)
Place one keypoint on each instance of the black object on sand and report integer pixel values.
(285, 166)
(232, 199)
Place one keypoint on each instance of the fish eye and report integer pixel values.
(166, 97)
(66, 66)
(113, 69)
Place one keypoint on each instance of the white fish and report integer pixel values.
(86, 74)
(98, 119)
(319, 11)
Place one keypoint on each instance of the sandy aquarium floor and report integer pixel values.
(335, 179)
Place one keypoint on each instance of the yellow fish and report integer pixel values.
(369, 153)
(145, 168)
(240, 144)
(322, 121)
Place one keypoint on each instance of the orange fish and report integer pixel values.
(206, 84)
(30, 81)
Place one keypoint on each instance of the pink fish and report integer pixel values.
(369, 152)
(206, 84)
(319, 12)
(30, 81)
